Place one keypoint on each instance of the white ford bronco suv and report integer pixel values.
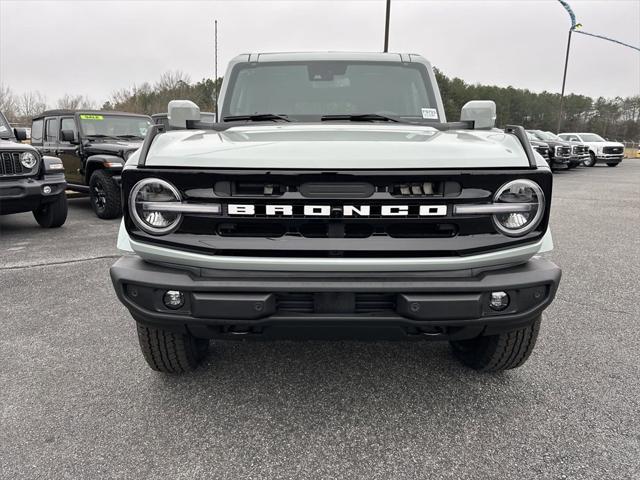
(333, 200)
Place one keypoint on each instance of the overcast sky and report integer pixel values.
(95, 47)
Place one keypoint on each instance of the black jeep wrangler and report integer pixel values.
(93, 146)
(30, 182)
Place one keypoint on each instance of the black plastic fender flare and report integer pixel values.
(102, 161)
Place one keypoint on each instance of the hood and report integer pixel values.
(538, 143)
(112, 147)
(336, 147)
(610, 144)
(6, 145)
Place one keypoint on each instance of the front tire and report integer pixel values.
(495, 353)
(591, 161)
(53, 214)
(105, 195)
(169, 352)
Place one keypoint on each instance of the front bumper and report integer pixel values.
(440, 305)
(26, 194)
(610, 158)
(560, 160)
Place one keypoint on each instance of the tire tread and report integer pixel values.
(499, 352)
(113, 208)
(53, 214)
(167, 351)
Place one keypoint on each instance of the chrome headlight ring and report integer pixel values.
(531, 223)
(144, 223)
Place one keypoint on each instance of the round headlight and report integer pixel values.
(28, 160)
(145, 205)
(530, 198)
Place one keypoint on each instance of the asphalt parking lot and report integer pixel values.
(78, 401)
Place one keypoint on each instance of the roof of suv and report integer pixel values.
(53, 113)
(328, 56)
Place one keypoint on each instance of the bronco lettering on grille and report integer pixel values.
(328, 210)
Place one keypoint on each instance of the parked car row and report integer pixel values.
(569, 150)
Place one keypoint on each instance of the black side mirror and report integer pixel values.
(21, 134)
(68, 136)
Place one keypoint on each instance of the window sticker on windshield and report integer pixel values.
(91, 117)
(429, 113)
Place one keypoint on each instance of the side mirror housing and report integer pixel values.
(21, 134)
(68, 136)
(481, 112)
(181, 111)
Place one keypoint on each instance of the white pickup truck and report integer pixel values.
(600, 150)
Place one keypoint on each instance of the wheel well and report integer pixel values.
(92, 167)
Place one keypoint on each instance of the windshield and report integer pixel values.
(114, 126)
(5, 129)
(592, 137)
(309, 90)
(545, 136)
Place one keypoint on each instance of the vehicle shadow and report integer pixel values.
(80, 201)
(331, 379)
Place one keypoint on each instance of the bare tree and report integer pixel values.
(172, 80)
(8, 103)
(75, 102)
(31, 104)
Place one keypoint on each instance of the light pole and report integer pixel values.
(386, 27)
(564, 80)
(564, 76)
(576, 27)
(215, 68)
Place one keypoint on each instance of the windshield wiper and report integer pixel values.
(100, 135)
(363, 117)
(130, 136)
(256, 117)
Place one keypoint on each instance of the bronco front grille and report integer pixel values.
(10, 164)
(419, 219)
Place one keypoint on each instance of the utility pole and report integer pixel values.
(215, 66)
(386, 27)
(564, 79)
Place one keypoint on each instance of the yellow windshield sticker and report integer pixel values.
(91, 117)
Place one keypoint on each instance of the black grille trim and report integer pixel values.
(306, 302)
(10, 164)
(613, 150)
(371, 236)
